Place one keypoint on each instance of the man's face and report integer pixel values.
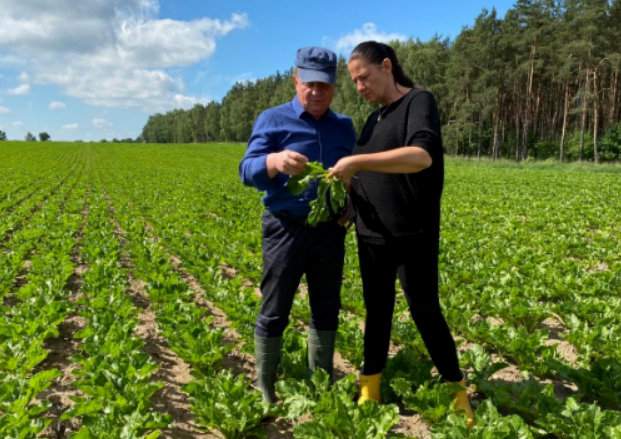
(315, 97)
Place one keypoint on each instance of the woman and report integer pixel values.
(396, 175)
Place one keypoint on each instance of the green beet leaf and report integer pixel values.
(301, 182)
(331, 197)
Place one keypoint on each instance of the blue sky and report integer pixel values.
(97, 69)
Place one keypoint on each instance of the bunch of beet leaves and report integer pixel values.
(331, 198)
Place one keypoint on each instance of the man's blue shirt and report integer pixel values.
(288, 126)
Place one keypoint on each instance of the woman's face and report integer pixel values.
(371, 80)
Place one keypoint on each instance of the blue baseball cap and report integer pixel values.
(316, 64)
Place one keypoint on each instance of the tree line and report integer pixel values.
(43, 136)
(541, 82)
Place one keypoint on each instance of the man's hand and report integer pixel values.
(286, 161)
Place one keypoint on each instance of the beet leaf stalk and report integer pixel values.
(331, 198)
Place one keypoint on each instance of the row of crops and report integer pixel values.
(93, 237)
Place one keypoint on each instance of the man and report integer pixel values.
(283, 140)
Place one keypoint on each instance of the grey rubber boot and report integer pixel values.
(321, 350)
(267, 357)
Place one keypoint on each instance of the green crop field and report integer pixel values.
(129, 274)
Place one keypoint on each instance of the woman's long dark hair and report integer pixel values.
(375, 53)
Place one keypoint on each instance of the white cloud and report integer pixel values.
(4, 110)
(71, 126)
(115, 52)
(17, 123)
(186, 102)
(101, 123)
(167, 43)
(368, 31)
(57, 105)
(20, 90)
(24, 77)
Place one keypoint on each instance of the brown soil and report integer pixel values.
(512, 373)
(219, 317)
(62, 392)
(238, 361)
(565, 349)
(599, 268)
(22, 278)
(228, 272)
(279, 429)
(413, 426)
(74, 284)
(494, 322)
(62, 348)
(554, 327)
(173, 372)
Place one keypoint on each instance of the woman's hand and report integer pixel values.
(402, 160)
(344, 169)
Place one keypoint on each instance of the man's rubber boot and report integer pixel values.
(321, 350)
(461, 403)
(267, 358)
(369, 388)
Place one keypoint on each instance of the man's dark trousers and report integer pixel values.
(290, 249)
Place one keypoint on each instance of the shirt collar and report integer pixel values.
(299, 110)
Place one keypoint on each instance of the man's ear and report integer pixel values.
(294, 77)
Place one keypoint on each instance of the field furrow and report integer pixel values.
(32, 320)
(62, 348)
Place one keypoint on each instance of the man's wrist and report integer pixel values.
(270, 164)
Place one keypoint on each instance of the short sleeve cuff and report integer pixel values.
(424, 140)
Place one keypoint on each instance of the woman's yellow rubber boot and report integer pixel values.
(461, 403)
(369, 388)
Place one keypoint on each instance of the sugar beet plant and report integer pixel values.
(220, 400)
(190, 217)
(530, 279)
(331, 195)
(114, 375)
(32, 311)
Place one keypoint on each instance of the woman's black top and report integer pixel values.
(392, 206)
